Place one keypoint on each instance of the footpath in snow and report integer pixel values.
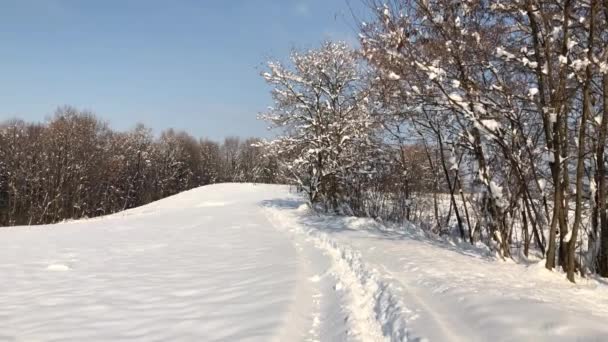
(243, 262)
(442, 292)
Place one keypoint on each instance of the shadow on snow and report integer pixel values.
(335, 224)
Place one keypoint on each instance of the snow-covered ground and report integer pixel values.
(237, 262)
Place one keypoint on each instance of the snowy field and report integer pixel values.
(242, 262)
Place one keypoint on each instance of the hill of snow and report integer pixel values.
(243, 262)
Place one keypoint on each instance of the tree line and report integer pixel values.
(483, 118)
(74, 166)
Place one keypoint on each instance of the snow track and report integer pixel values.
(373, 312)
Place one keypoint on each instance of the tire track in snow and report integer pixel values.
(374, 312)
(311, 317)
(444, 328)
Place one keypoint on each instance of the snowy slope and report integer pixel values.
(204, 265)
(238, 262)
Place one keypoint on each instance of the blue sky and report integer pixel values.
(186, 64)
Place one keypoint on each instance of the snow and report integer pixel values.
(527, 62)
(393, 76)
(432, 71)
(490, 124)
(568, 236)
(579, 64)
(243, 262)
(552, 117)
(200, 266)
(479, 108)
(456, 97)
(545, 69)
(532, 92)
(501, 52)
(457, 22)
(542, 183)
(453, 162)
(446, 291)
(496, 190)
(598, 119)
(58, 267)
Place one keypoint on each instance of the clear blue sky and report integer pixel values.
(186, 64)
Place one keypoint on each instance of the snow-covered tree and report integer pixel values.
(320, 106)
(509, 88)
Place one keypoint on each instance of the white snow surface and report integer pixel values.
(244, 262)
